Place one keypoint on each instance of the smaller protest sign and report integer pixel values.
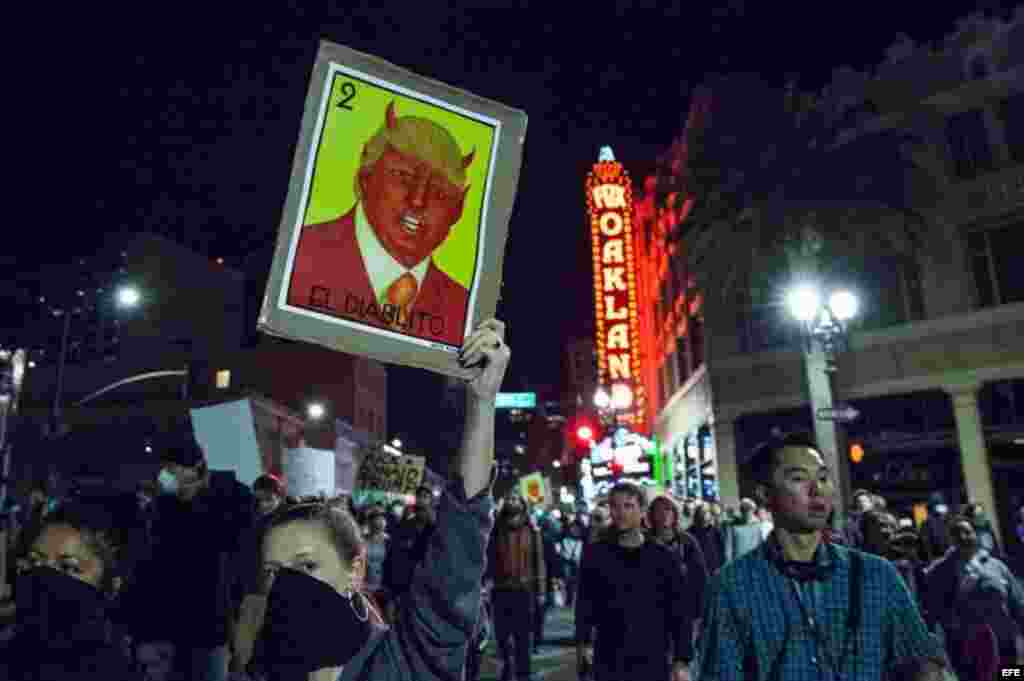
(227, 434)
(389, 473)
(309, 472)
(533, 489)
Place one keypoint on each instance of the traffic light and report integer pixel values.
(584, 433)
(856, 452)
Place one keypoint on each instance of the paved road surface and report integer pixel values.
(557, 658)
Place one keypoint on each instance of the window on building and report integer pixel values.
(968, 144)
(224, 379)
(997, 264)
(1011, 110)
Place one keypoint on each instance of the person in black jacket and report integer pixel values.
(199, 522)
(64, 593)
(710, 537)
(629, 573)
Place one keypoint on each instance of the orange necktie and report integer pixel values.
(401, 293)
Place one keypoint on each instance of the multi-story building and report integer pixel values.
(132, 372)
(937, 363)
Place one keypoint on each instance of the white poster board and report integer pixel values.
(227, 434)
(309, 472)
(344, 465)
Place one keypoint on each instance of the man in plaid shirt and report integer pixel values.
(800, 609)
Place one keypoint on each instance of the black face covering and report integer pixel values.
(58, 611)
(308, 626)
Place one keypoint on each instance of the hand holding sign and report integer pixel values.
(486, 347)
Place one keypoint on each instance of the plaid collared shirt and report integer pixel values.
(754, 627)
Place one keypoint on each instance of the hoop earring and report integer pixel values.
(350, 595)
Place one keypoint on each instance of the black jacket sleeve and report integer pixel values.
(696, 575)
(680, 611)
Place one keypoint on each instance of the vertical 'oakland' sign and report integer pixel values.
(610, 205)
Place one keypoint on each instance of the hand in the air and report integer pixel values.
(487, 343)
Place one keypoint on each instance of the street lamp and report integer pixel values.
(128, 296)
(315, 411)
(396, 443)
(825, 333)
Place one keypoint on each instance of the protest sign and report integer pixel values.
(386, 472)
(393, 232)
(227, 435)
(533, 489)
(309, 472)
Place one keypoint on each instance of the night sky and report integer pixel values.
(181, 118)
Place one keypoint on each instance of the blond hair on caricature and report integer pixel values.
(419, 137)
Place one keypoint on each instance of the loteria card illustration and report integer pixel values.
(394, 229)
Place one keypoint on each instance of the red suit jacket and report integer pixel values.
(329, 276)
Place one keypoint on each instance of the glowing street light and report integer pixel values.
(844, 305)
(316, 411)
(396, 443)
(804, 302)
(128, 296)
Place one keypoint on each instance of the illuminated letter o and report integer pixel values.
(611, 224)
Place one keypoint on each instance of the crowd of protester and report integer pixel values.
(197, 576)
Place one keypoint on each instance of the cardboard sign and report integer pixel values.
(533, 489)
(389, 473)
(227, 434)
(393, 233)
(309, 472)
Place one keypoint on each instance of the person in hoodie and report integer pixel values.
(317, 625)
(64, 596)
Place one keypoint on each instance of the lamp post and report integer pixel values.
(824, 327)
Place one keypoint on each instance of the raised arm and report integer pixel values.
(439, 614)
(476, 456)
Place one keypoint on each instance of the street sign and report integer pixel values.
(844, 413)
(516, 401)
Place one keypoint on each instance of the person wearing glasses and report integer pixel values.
(318, 626)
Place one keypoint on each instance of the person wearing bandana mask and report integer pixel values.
(318, 626)
(64, 593)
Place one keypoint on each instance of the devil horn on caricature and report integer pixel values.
(468, 158)
(390, 117)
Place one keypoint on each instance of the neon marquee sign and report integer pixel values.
(610, 206)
